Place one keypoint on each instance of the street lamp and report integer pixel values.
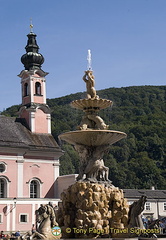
(15, 201)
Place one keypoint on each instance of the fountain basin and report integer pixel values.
(94, 104)
(92, 137)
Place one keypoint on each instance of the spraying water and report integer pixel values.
(89, 60)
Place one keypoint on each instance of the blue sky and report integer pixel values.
(127, 39)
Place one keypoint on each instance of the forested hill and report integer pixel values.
(138, 161)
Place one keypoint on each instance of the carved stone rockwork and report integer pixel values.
(90, 210)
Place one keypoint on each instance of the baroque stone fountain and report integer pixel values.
(92, 207)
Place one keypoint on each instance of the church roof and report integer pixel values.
(151, 194)
(14, 133)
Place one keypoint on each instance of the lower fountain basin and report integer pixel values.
(92, 137)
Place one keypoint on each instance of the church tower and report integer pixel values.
(34, 108)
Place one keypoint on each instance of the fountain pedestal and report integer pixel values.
(90, 210)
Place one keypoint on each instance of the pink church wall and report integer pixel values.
(40, 171)
(23, 209)
(38, 99)
(26, 100)
(9, 211)
(41, 123)
(11, 215)
(25, 114)
(4, 219)
(48, 179)
(36, 169)
(11, 174)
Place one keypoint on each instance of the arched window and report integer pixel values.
(37, 88)
(2, 167)
(34, 189)
(3, 188)
(25, 89)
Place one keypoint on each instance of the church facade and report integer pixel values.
(29, 155)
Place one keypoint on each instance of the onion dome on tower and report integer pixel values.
(32, 59)
(34, 108)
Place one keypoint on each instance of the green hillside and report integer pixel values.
(138, 161)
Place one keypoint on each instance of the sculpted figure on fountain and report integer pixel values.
(92, 164)
(90, 84)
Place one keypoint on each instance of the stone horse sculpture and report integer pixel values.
(45, 218)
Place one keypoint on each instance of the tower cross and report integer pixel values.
(31, 26)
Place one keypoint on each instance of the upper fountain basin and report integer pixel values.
(92, 137)
(94, 104)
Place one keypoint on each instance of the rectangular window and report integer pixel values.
(148, 206)
(2, 188)
(23, 218)
(1, 218)
(164, 206)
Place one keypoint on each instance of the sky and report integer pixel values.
(127, 39)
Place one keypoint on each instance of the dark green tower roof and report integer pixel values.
(32, 59)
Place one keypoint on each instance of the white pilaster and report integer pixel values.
(56, 174)
(20, 177)
(32, 121)
(49, 123)
(31, 90)
(14, 218)
(44, 91)
(33, 215)
(8, 218)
